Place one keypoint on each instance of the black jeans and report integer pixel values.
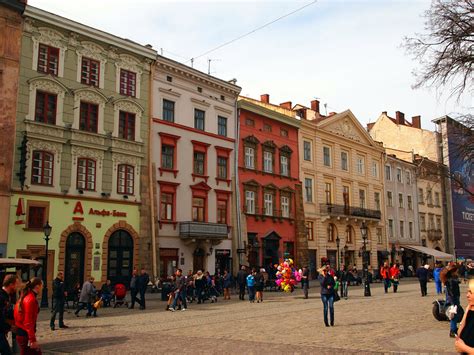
(142, 298)
(133, 293)
(4, 345)
(305, 289)
(242, 292)
(423, 288)
(57, 309)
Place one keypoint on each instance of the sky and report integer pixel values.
(347, 54)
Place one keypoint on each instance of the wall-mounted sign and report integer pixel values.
(78, 209)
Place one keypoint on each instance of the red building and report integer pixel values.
(270, 187)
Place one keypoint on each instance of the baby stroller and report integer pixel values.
(211, 293)
(120, 291)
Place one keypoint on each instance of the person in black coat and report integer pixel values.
(11, 283)
(59, 297)
(142, 284)
(423, 274)
(327, 294)
(242, 281)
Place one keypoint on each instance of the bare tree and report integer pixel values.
(446, 50)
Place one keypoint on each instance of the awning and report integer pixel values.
(438, 255)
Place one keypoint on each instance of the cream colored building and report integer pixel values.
(342, 177)
(193, 146)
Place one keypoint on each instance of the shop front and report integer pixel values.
(89, 237)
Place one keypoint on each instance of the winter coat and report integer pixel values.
(87, 292)
(25, 318)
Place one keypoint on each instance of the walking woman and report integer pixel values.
(227, 283)
(327, 294)
(449, 276)
(395, 276)
(465, 341)
(26, 314)
(259, 284)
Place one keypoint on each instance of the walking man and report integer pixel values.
(142, 284)
(385, 274)
(86, 298)
(11, 283)
(134, 288)
(251, 285)
(395, 277)
(423, 273)
(180, 292)
(344, 277)
(242, 280)
(305, 282)
(59, 296)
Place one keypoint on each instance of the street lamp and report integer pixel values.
(338, 241)
(44, 298)
(363, 232)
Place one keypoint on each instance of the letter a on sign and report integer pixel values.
(78, 208)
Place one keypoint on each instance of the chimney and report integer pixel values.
(315, 105)
(416, 121)
(400, 117)
(286, 105)
(265, 98)
(384, 113)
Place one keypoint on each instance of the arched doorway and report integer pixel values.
(271, 249)
(120, 257)
(198, 259)
(74, 264)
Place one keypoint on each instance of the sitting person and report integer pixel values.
(106, 293)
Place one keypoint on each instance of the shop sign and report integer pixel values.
(222, 252)
(78, 209)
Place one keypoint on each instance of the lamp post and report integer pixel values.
(363, 232)
(44, 297)
(338, 242)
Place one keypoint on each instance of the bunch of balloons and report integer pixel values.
(287, 275)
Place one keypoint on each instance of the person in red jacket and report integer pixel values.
(385, 274)
(395, 276)
(26, 313)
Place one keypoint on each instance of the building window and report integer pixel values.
(199, 117)
(36, 217)
(390, 228)
(42, 168)
(267, 127)
(284, 165)
(249, 122)
(346, 196)
(307, 150)
(408, 177)
(377, 200)
(410, 230)
(199, 162)
(222, 211)
(222, 126)
(331, 232)
(86, 174)
(128, 83)
(431, 225)
(422, 222)
(90, 70)
(268, 203)
(361, 165)
(388, 172)
(249, 158)
(402, 229)
(308, 188)
(344, 161)
(166, 206)
(250, 202)
(127, 125)
(268, 162)
(389, 199)
(328, 192)
(283, 132)
(327, 156)
(89, 117)
(378, 231)
(125, 179)
(375, 169)
(167, 157)
(438, 223)
(199, 204)
(45, 110)
(399, 175)
(436, 201)
(400, 200)
(48, 59)
(222, 167)
(429, 197)
(362, 199)
(409, 203)
(421, 199)
(285, 206)
(310, 230)
(168, 110)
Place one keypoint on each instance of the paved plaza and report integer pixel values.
(283, 323)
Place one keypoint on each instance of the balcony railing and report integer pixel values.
(434, 234)
(341, 210)
(203, 230)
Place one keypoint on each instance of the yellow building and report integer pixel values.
(341, 170)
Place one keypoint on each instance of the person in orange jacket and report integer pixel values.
(385, 274)
(395, 276)
(25, 314)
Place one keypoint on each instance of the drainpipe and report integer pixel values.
(237, 185)
(150, 171)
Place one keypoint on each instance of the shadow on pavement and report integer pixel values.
(73, 346)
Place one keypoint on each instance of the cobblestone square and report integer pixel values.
(283, 323)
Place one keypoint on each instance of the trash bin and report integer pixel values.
(165, 290)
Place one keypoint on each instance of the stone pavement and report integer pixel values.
(399, 323)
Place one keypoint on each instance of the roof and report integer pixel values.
(12, 262)
(274, 112)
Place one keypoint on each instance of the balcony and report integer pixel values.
(434, 235)
(202, 230)
(349, 211)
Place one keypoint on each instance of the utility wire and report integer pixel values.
(253, 31)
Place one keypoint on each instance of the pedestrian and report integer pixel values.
(86, 298)
(106, 293)
(259, 285)
(142, 284)
(11, 283)
(437, 279)
(180, 291)
(402, 271)
(25, 314)
(344, 276)
(385, 274)
(172, 288)
(305, 282)
(465, 341)
(134, 288)
(423, 273)
(227, 283)
(251, 285)
(200, 284)
(59, 297)
(242, 281)
(450, 279)
(395, 276)
(190, 287)
(327, 295)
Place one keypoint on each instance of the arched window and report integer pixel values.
(42, 168)
(120, 257)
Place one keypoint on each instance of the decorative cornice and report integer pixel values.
(169, 92)
(203, 103)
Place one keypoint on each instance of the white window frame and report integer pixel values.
(285, 206)
(284, 165)
(361, 165)
(375, 169)
(268, 203)
(267, 161)
(347, 161)
(250, 201)
(310, 200)
(327, 149)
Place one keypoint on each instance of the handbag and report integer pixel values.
(98, 304)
